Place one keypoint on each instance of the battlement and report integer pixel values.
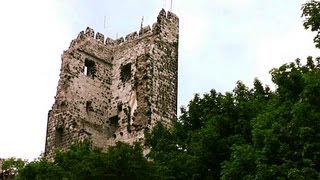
(116, 89)
(162, 19)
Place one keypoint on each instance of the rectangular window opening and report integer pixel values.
(125, 72)
(114, 121)
(89, 106)
(89, 68)
(119, 107)
(58, 139)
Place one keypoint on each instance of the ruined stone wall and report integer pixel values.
(1, 164)
(164, 58)
(114, 90)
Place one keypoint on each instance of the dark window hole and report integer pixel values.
(89, 68)
(114, 121)
(89, 106)
(119, 107)
(125, 73)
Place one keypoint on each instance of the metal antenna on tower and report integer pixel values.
(141, 25)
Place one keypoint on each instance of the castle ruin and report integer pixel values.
(115, 90)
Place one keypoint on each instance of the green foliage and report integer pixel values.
(285, 137)
(81, 162)
(121, 161)
(311, 13)
(128, 162)
(41, 169)
(242, 164)
(13, 163)
(201, 139)
(247, 133)
(169, 151)
(11, 166)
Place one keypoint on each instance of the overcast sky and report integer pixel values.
(221, 41)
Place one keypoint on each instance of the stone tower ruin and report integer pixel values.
(115, 90)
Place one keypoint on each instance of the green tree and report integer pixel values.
(247, 133)
(285, 137)
(13, 163)
(81, 161)
(11, 166)
(41, 169)
(311, 13)
(169, 153)
(127, 162)
(202, 138)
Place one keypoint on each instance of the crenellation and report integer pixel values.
(72, 44)
(144, 30)
(81, 35)
(162, 15)
(115, 90)
(89, 32)
(131, 36)
(119, 41)
(100, 37)
(109, 41)
(172, 16)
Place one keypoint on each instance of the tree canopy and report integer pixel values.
(247, 133)
(81, 161)
(311, 13)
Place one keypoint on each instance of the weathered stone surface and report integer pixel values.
(116, 90)
(1, 163)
